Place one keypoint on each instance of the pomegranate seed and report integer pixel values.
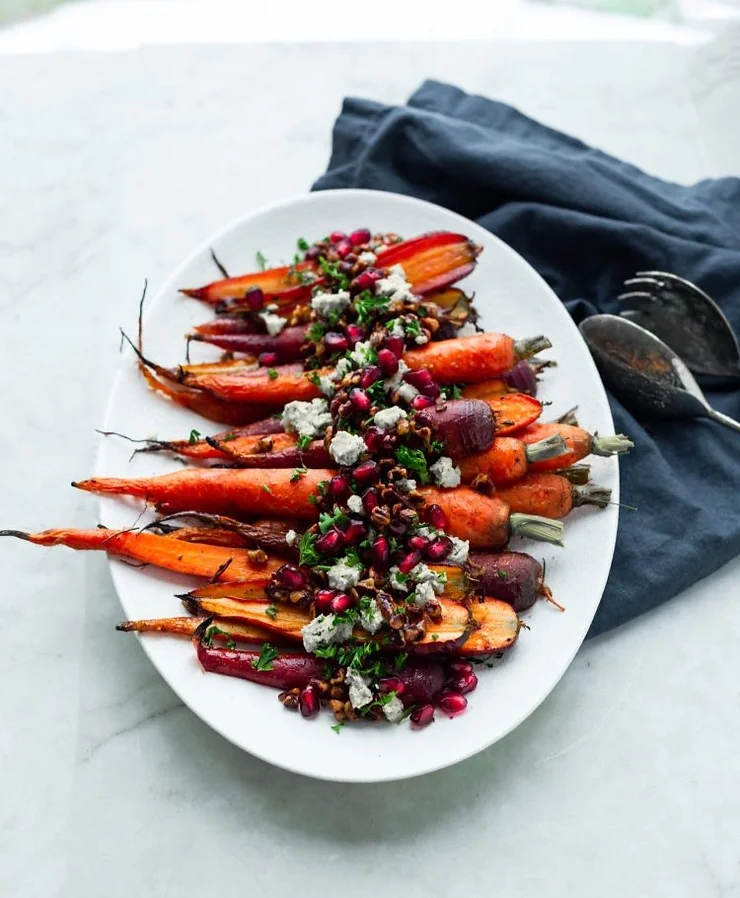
(435, 516)
(452, 703)
(409, 562)
(336, 236)
(341, 603)
(370, 375)
(354, 333)
(354, 532)
(312, 253)
(323, 599)
(391, 684)
(343, 248)
(381, 552)
(418, 542)
(308, 702)
(439, 548)
(460, 668)
(345, 266)
(422, 716)
(345, 410)
(398, 527)
(339, 488)
(419, 378)
(387, 361)
(431, 390)
(255, 298)
(329, 542)
(396, 345)
(335, 342)
(268, 359)
(290, 576)
(464, 683)
(374, 438)
(365, 280)
(366, 472)
(360, 400)
(370, 499)
(357, 238)
(419, 402)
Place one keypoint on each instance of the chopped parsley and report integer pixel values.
(502, 575)
(367, 305)
(194, 436)
(327, 521)
(437, 446)
(212, 631)
(302, 244)
(272, 373)
(261, 260)
(266, 488)
(297, 474)
(401, 659)
(413, 460)
(308, 553)
(332, 270)
(268, 653)
(412, 327)
(304, 441)
(271, 611)
(315, 332)
(338, 727)
(453, 391)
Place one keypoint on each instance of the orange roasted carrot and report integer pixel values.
(264, 387)
(578, 441)
(161, 551)
(509, 459)
(551, 495)
(223, 629)
(486, 389)
(473, 359)
(513, 412)
(274, 281)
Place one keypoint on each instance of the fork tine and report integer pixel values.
(636, 296)
(648, 283)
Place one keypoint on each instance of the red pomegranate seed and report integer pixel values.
(419, 378)
(336, 236)
(422, 716)
(308, 701)
(370, 375)
(268, 359)
(420, 402)
(357, 238)
(345, 409)
(409, 562)
(365, 280)
(354, 334)
(323, 599)
(381, 552)
(387, 361)
(439, 548)
(396, 345)
(418, 542)
(341, 603)
(330, 542)
(464, 683)
(343, 248)
(452, 703)
(460, 668)
(312, 253)
(374, 437)
(339, 488)
(360, 400)
(345, 266)
(435, 516)
(354, 532)
(255, 298)
(335, 342)
(431, 390)
(290, 576)
(391, 684)
(366, 472)
(370, 499)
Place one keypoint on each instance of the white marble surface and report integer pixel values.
(626, 780)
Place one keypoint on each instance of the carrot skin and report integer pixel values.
(260, 388)
(578, 441)
(289, 670)
(503, 463)
(483, 520)
(543, 493)
(465, 359)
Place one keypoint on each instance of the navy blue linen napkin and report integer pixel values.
(585, 221)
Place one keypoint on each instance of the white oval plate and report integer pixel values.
(511, 298)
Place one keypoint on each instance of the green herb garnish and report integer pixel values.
(268, 653)
(316, 332)
(194, 436)
(265, 488)
(261, 260)
(338, 726)
(307, 551)
(297, 474)
(367, 305)
(304, 441)
(271, 611)
(272, 373)
(302, 244)
(414, 460)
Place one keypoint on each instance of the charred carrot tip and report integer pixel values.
(18, 534)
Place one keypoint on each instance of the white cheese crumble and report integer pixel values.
(361, 355)
(395, 285)
(290, 537)
(393, 710)
(460, 550)
(343, 366)
(370, 618)
(445, 473)
(396, 329)
(423, 574)
(406, 484)
(324, 630)
(421, 339)
(273, 323)
(407, 392)
(387, 418)
(343, 576)
(424, 593)
(354, 503)
(395, 582)
(359, 691)
(367, 258)
(345, 448)
(306, 418)
(326, 304)
(326, 384)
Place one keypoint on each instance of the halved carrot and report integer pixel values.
(578, 441)
(486, 389)
(473, 359)
(204, 449)
(161, 551)
(274, 282)
(514, 411)
(551, 495)
(508, 459)
(265, 387)
(432, 261)
(222, 631)
(286, 345)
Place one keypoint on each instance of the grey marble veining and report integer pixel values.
(113, 168)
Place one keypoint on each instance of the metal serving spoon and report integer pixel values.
(645, 373)
(685, 318)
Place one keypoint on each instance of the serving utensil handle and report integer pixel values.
(724, 419)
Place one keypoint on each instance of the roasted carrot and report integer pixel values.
(473, 359)
(161, 551)
(509, 459)
(486, 389)
(551, 495)
(222, 630)
(579, 443)
(286, 345)
(204, 449)
(513, 412)
(287, 671)
(274, 282)
(264, 387)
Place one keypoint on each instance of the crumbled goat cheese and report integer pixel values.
(367, 258)
(370, 618)
(393, 383)
(326, 384)
(393, 710)
(359, 691)
(445, 473)
(395, 285)
(324, 630)
(273, 323)
(460, 550)
(343, 366)
(424, 593)
(343, 576)
(422, 574)
(421, 339)
(345, 448)
(326, 304)
(387, 418)
(306, 418)
(396, 329)
(361, 355)
(407, 392)
(290, 537)
(354, 503)
(394, 582)
(406, 484)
